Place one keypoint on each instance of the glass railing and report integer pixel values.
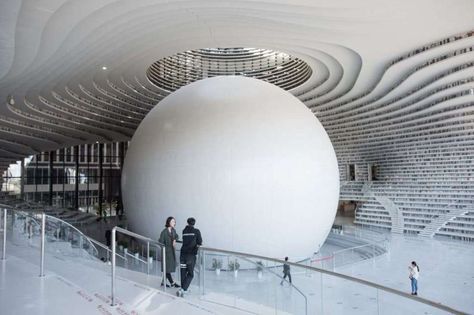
(373, 244)
(133, 254)
(227, 279)
(258, 287)
(58, 239)
(245, 283)
(104, 252)
(150, 243)
(65, 242)
(61, 237)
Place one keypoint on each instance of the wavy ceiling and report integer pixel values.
(386, 74)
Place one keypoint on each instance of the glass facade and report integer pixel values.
(71, 178)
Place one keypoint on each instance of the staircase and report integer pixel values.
(395, 213)
(440, 221)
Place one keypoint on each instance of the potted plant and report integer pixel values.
(234, 266)
(217, 265)
(122, 245)
(259, 269)
(150, 256)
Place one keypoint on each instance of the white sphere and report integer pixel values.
(247, 159)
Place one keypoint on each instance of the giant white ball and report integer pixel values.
(247, 159)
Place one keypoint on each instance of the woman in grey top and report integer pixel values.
(168, 237)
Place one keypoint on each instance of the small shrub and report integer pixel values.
(216, 263)
(234, 265)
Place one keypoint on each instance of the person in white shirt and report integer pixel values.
(414, 274)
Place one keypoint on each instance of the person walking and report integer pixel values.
(286, 272)
(191, 241)
(414, 274)
(168, 238)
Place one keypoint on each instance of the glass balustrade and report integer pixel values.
(150, 278)
(255, 284)
(239, 281)
(246, 283)
(61, 238)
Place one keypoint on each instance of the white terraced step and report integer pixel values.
(82, 289)
(431, 229)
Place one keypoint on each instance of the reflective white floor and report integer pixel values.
(446, 269)
(77, 287)
(83, 287)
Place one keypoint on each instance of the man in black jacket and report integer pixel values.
(191, 241)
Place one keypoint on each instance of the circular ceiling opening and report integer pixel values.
(275, 67)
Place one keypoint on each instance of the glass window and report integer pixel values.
(68, 154)
(82, 153)
(30, 176)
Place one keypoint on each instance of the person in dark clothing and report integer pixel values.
(191, 241)
(108, 236)
(286, 272)
(168, 238)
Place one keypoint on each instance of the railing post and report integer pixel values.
(112, 294)
(378, 303)
(147, 258)
(4, 248)
(43, 228)
(322, 295)
(373, 255)
(81, 244)
(305, 305)
(199, 257)
(202, 271)
(333, 262)
(157, 252)
(163, 266)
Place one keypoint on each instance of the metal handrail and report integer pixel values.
(42, 240)
(75, 229)
(106, 248)
(148, 241)
(43, 229)
(351, 248)
(4, 250)
(55, 218)
(136, 258)
(345, 277)
(260, 257)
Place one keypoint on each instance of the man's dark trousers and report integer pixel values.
(187, 262)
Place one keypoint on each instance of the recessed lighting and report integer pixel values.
(104, 68)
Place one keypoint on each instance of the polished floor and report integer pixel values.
(82, 286)
(446, 269)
